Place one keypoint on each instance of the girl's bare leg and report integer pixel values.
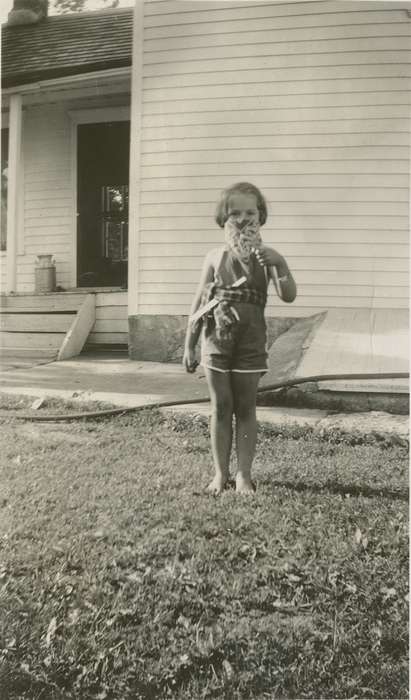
(244, 387)
(219, 386)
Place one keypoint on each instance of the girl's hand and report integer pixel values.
(189, 361)
(268, 257)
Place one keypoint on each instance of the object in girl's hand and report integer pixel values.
(239, 282)
(213, 302)
(204, 310)
(256, 252)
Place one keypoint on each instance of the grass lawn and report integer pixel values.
(120, 579)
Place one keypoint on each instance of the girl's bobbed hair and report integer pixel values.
(221, 214)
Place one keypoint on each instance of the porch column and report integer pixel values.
(135, 140)
(13, 187)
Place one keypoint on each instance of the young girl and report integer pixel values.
(234, 331)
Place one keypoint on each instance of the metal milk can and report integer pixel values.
(45, 274)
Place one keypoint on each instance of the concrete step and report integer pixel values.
(35, 326)
(28, 354)
(32, 341)
(36, 322)
(41, 303)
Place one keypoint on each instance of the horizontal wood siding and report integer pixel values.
(48, 197)
(311, 102)
(2, 271)
(111, 325)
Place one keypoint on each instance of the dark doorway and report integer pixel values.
(102, 204)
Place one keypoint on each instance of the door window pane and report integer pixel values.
(114, 222)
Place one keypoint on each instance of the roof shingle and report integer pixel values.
(64, 45)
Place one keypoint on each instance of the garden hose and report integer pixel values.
(186, 402)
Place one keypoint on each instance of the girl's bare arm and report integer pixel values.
(280, 273)
(193, 332)
(284, 282)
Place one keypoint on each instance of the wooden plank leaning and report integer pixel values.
(79, 330)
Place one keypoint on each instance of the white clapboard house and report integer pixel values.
(308, 100)
(65, 136)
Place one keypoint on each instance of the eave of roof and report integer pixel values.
(64, 45)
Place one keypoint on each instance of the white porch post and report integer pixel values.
(135, 139)
(13, 187)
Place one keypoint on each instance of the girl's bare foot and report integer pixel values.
(244, 485)
(217, 485)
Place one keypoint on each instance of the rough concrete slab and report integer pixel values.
(126, 383)
(280, 416)
(286, 417)
(113, 398)
(105, 378)
(371, 423)
(375, 423)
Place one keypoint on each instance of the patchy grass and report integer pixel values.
(13, 404)
(121, 579)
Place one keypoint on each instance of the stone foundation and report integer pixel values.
(161, 338)
(156, 338)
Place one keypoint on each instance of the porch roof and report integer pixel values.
(64, 45)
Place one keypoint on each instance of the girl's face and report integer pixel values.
(242, 209)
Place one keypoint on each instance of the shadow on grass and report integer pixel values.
(342, 489)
